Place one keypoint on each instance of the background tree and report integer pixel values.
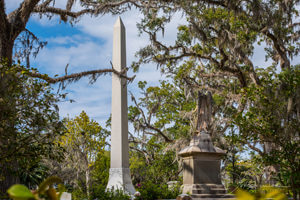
(160, 131)
(273, 118)
(84, 143)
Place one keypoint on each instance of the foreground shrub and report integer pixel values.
(99, 193)
(150, 191)
(264, 192)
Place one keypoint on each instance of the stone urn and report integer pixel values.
(201, 169)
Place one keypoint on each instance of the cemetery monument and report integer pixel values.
(201, 160)
(119, 173)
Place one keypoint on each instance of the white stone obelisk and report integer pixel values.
(119, 173)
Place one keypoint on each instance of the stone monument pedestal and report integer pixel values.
(201, 169)
(119, 178)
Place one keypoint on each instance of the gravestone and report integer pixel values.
(201, 160)
(66, 196)
(119, 173)
(172, 185)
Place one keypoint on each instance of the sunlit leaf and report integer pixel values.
(20, 192)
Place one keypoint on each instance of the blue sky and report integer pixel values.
(87, 45)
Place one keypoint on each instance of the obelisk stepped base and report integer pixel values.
(119, 178)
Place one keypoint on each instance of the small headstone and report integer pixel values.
(172, 184)
(66, 196)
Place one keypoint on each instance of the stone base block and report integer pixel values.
(201, 191)
(204, 189)
(119, 178)
(212, 197)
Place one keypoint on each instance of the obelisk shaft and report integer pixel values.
(119, 119)
(119, 173)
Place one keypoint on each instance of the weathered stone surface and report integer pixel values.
(200, 144)
(119, 178)
(66, 196)
(201, 169)
(183, 197)
(119, 173)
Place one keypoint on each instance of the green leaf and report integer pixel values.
(244, 195)
(19, 192)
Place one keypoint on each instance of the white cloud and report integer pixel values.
(93, 99)
(80, 55)
(11, 5)
(66, 40)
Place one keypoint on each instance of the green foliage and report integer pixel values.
(265, 192)
(159, 169)
(33, 175)
(84, 135)
(86, 161)
(29, 122)
(272, 118)
(150, 191)
(100, 171)
(214, 52)
(164, 103)
(241, 172)
(157, 118)
(78, 193)
(100, 193)
(240, 180)
(20, 192)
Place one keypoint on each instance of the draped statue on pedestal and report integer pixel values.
(204, 112)
(201, 160)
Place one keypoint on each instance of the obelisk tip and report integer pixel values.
(119, 22)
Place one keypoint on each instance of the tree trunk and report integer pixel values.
(234, 170)
(294, 188)
(6, 43)
(6, 51)
(9, 178)
(87, 182)
(272, 170)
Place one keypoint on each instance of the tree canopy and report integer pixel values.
(256, 106)
(214, 52)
